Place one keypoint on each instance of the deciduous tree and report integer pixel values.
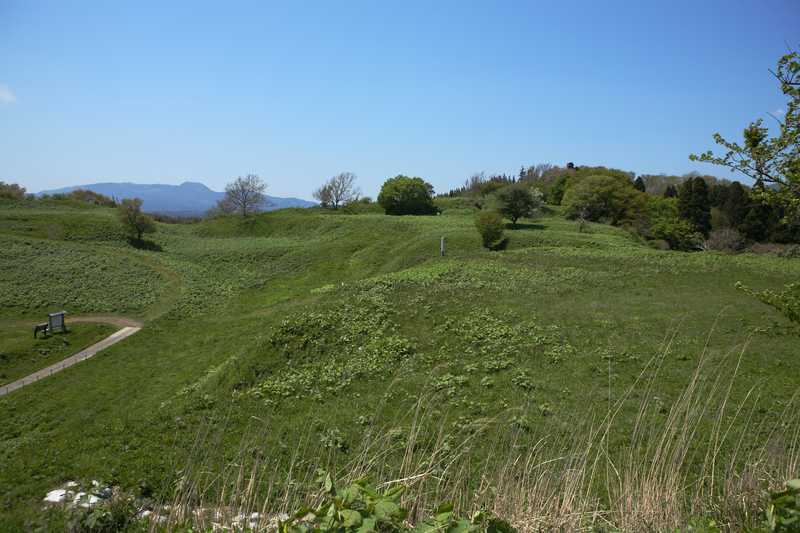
(11, 191)
(516, 201)
(403, 195)
(136, 223)
(338, 191)
(775, 161)
(245, 195)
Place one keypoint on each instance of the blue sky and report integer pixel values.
(298, 91)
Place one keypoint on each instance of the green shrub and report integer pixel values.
(91, 197)
(679, 233)
(448, 205)
(362, 206)
(11, 191)
(783, 512)
(362, 508)
(490, 226)
(790, 251)
(403, 195)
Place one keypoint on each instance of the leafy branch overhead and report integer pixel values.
(773, 162)
(786, 302)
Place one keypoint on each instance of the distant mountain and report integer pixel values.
(187, 199)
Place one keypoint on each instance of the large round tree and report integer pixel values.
(603, 198)
(403, 195)
(516, 201)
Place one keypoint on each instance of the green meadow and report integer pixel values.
(304, 339)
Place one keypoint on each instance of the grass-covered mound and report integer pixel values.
(305, 338)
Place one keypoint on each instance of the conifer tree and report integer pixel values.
(735, 205)
(693, 204)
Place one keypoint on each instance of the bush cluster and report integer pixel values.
(490, 227)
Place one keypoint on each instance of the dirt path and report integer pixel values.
(115, 320)
(128, 325)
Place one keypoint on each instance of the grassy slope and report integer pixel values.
(295, 318)
(21, 354)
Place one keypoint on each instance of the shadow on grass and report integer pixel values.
(524, 225)
(502, 245)
(145, 245)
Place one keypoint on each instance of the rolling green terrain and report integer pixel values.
(292, 336)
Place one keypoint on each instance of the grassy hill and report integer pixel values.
(300, 339)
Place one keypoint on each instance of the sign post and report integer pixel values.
(55, 321)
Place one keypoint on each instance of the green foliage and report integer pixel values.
(735, 204)
(761, 222)
(329, 351)
(678, 232)
(403, 195)
(361, 508)
(555, 194)
(444, 520)
(786, 302)
(603, 198)
(694, 205)
(490, 227)
(11, 191)
(357, 508)
(134, 220)
(783, 510)
(362, 206)
(91, 197)
(773, 160)
(517, 201)
(659, 207)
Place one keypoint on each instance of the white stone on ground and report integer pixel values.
(56, 496)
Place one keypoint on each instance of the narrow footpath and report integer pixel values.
(114, 338)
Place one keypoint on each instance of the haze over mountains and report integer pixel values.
(187, 199)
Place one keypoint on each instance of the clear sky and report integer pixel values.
(163, 92)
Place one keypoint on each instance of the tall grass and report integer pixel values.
(704, 456)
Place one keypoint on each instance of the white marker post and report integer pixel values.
(441, 247)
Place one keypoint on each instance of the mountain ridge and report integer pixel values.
(190, 198)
